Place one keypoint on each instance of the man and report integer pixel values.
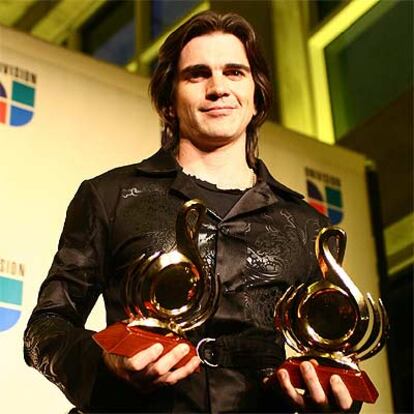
(212, 92)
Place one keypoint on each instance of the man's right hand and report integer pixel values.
(147, 369)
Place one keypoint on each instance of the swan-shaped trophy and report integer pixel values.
(166, 294)
(331, 321)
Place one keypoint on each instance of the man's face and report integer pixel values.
(214, 97)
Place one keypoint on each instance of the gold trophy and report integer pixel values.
(165, 295)
(332, 322)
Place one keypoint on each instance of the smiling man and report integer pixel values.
(211, 90)
(214, 103)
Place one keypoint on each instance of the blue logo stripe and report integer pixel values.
(335, 215)
(2, 91)
(313, 191)
(8, 317)
(20, 116)
(11, 290)
(333, 196)
(23, 93)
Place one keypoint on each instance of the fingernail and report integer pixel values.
(184, 349)
(158, 348)
(335, 379)
(306, 366)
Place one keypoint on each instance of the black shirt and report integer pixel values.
(218, 200)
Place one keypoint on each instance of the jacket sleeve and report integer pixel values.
(55, 341)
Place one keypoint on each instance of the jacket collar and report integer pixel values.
(164, 163)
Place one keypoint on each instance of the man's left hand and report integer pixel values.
(315, 399)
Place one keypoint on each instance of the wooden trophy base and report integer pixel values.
(120, 339)
(359, 385)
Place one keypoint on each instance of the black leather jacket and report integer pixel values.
(264, 244)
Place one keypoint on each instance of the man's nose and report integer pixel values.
(217, 86)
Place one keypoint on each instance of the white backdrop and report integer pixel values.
(89, 117)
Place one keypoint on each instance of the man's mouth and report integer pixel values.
(218, 109)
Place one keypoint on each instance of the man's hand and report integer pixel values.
(148, 369)
(315, 399)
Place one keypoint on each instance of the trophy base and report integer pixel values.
(126, 341)
(359, 385)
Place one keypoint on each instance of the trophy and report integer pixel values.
(332, 322)
(165, 295)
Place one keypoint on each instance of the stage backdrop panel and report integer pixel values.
(333, 180)
(65, 117)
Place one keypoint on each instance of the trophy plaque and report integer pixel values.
(332, 322)
(165, 295)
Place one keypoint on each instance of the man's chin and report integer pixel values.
(214, 143)
(212, 139)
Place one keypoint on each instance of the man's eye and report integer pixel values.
(236, 73)
(198, 76)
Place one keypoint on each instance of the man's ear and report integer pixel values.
(254, 111)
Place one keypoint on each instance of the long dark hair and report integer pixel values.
(162, 86)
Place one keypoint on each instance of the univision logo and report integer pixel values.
(17, 95)
(324, 194)
(11, 292)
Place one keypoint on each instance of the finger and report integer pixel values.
(143, 358)
(168, 361)
(172, 377)
(289, 390)
(313, 386)
(341, 393)
(314, 362)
